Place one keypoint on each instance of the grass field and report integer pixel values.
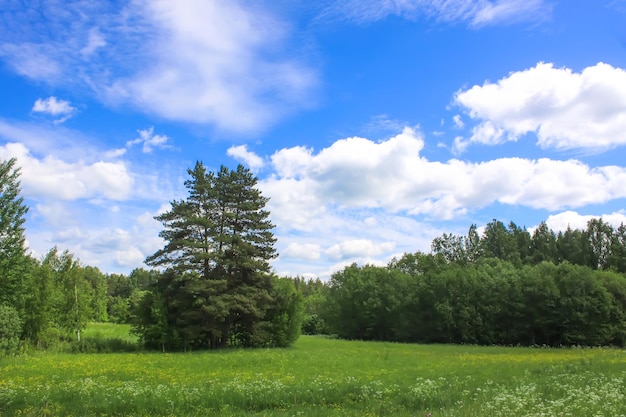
(317, 377)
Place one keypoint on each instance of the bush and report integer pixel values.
(313, 324)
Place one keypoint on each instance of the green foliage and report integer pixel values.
(14, 265)
(490, 301)
(500, 242)
(217, 290)
(63, 296)
(314, 299)
(10, 330)
(544, 245)
(152, 320)
(98, 283)
(118, 309)
(39, 302)
(75, 294)
(314, 324)
(284, 319)
(367, 303)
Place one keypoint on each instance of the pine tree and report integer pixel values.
(218, 245)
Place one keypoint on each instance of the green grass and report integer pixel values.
(318, 377)
(109, 331)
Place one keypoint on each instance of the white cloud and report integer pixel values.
(95, 41)
(149, 141)
(343, 237)
(381, 124)
(45, 139)
(391, 175)
(504, 11)
(458, 122)
(563, 108)
(476, 13)
(54, 107)
(32, 60)
(114, 153)
(358, 248)
(131, 257)
(210, 63)
(561, 221)
(69, 234)
(228, 64)
(114, 241)
(293, 203)
(242, 154)
(307, 251)
(63, 152)
(55, 178)
(57, 213)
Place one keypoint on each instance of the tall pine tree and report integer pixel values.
(218, 245)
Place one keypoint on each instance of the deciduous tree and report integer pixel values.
(13, 261)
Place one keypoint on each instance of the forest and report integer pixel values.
(211, 286)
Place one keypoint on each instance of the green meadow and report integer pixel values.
(316, 377)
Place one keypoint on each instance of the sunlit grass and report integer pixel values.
(320, 377)
(109, 331)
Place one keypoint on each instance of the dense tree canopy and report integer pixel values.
(504, 287)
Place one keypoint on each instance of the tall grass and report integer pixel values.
(320, 377)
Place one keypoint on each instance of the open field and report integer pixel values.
(319, 377)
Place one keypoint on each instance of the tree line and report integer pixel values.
(211, 285)
(505, 286)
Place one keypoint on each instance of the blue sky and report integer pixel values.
(373, 126)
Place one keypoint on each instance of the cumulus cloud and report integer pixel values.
(360, 200)
(565, 109)
(101, 211)
(392, 175)
(53, 177)
(307, 251)
(117, 242)
(242, 154)
(120, 244)
(561, 221)
(474, 13)
(358, 248)
(341, 237)
(54, 107)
